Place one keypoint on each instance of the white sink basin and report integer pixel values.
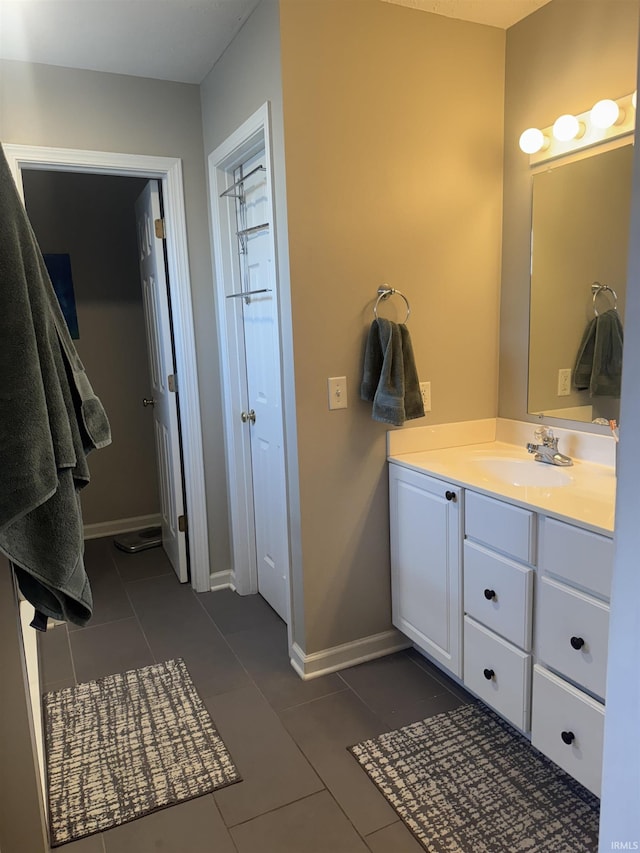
(525, 472)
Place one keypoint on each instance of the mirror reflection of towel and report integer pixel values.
(389, 378)
(599, 361)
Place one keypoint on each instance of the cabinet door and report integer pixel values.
(426, 564)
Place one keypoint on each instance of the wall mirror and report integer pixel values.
(580, 234)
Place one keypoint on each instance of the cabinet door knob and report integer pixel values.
(577, 643)
(568, 737)
(489, 674)
(450, 496)
(489, 594)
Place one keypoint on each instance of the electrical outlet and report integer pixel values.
(564, 382)
(337, 386)
(425, 390)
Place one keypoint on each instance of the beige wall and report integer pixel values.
(393, 131)
(51, 106)
(92, 218)
(563, 58)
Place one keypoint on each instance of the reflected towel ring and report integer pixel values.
(597, 289)
(385, 292)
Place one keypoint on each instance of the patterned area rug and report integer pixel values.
(126, 745)
(466, 782)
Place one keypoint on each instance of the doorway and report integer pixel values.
(249, 330)
(107, 266)
(168, 172)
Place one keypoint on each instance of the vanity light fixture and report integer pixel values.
(608, 119)
(605, 114)
(533, 140)
(568, 127)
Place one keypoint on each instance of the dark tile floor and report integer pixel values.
(302, 792)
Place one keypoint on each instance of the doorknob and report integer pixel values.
(248, 416)
(148, 401)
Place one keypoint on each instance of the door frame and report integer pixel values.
(252, 136)
(168, 170)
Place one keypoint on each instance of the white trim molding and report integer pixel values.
(121, 525)
(168, 170)
(347, 654)
(222, 580)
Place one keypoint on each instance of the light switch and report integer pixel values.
(337, 392)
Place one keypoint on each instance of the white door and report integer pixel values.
(162, 400)
(264, 413)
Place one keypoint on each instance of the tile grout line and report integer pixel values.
(137, 618)
(275, 711)
(73, 663)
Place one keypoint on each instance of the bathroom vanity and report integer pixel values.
(501, 574)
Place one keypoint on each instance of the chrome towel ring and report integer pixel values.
(597, 289)
(384, 292)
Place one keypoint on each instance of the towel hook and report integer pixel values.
(597, 289)
(384, 292)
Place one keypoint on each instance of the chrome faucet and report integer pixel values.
(546, 450)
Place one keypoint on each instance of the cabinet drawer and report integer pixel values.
(497, 593)
(579, 556)
(507, 528)
(497, 672)
(560, 708)
(566, 618)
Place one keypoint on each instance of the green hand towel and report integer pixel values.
(413, 405)
(389, 377)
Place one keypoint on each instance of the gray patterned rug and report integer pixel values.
(467, 782)
(126, 745)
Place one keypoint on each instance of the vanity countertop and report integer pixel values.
(582, 494)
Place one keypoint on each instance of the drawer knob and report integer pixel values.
(450, 496)
(577, 643)
(489, 674)
(568, 737)
(489, 594)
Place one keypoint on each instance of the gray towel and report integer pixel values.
(389, 378)
(49, 421)
(599, 362)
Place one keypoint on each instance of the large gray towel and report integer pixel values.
(49, 421)
(389, 378)
(599, 361)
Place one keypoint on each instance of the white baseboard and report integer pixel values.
(222, 580)
(347, 654)
(121, 525)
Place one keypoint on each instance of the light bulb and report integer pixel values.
(604, 114)
(531, 140)
(566, 127)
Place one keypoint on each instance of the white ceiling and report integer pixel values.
(495, 13)
(169, 39)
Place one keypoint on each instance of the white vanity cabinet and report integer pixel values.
(572, 626)
(513, 602)
(426, 566)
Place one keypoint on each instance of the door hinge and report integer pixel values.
(172, 382)
(159, 225)
(182, 523)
